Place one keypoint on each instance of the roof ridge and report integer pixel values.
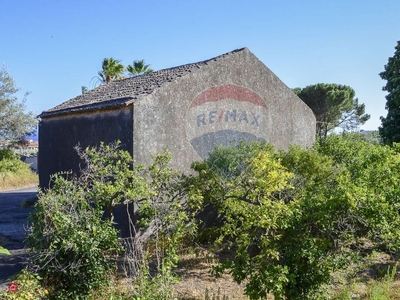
(128, 88)
(200, 62)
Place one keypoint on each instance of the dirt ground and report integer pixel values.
(196, 280)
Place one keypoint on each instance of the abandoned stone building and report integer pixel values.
(187, 109)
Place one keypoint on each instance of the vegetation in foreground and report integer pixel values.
(14, 173)
(292, 224)
(293, 218)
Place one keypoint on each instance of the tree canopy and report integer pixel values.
(138, 68)
(15, 123)
(111, 69)
(334, 105)
(390, 128)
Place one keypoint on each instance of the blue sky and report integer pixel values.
(52, 48)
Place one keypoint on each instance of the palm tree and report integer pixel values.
(84, 89)
(112, 69)
(138, 68)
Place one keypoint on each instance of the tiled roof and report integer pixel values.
(122, 92)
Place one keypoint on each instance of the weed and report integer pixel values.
(217, 296)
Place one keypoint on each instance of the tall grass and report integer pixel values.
(15, 174)
(383, 289)
(377, 289)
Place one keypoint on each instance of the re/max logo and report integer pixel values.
(228, 116)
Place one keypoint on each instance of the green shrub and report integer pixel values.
(71, 243)
(11, 165)
(293, 217)
(73, 239)
(9, 162)
(6, 153)
(164, 217)
(4, 251)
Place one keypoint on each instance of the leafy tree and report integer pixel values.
(292, 218)
(112, 69)
(333, 105)
(138, 67)
(15, 123)
(390, 128)
(272, 231)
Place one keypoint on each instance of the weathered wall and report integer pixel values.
(236, 97)
(59, 135)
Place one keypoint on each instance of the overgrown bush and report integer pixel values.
(6, 153)
(158, 194)
(73, 237)
(71, 243)
(292, 217)
(165, 222)
(373, 185)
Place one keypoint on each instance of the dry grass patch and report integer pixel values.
(16, 174)
(197, 282)
(19, 179)
(374, 277)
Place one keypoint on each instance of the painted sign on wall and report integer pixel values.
(224, 115)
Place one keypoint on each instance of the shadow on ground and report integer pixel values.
(15, 207)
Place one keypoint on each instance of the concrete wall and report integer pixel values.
(58, 136)
(237, 97)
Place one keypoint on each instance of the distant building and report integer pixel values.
(26, 147)
(187, 109)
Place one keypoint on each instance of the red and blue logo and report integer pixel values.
(225, 115)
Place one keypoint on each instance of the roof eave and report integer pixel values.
(110, 104)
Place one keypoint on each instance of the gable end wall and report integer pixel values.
(202, 105)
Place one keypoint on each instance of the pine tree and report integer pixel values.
(390, 128)
(334, 105)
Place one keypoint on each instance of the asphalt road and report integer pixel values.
(15, 207)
